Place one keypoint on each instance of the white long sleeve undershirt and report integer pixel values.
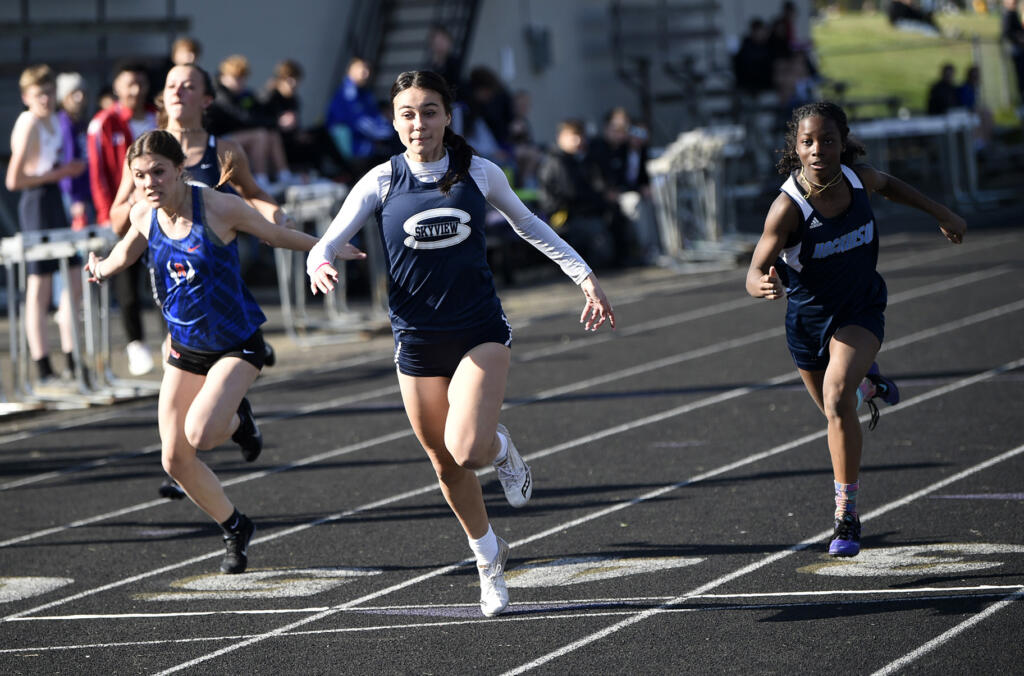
(369, 193)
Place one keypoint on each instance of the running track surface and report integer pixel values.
(682, 505)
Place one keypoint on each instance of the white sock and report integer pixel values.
(502, 450)
(486, 548)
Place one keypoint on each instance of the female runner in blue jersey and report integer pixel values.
(821, 234)
(452, 341)
(209, 161)
(217, 347)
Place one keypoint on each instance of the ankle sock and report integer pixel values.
(233, 523)
(485, 549)
(502, 449)
(43, 367)
(846, 498)
(865, 391)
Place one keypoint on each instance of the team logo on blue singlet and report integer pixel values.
(436, 228)
(181, 272)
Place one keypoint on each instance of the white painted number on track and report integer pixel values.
(566, 571)
(937, 559)
(18, 588)
(259, 584)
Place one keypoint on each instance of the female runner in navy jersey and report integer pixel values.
(217, 346)
(451, 338)
(209, 161)
(823, 233)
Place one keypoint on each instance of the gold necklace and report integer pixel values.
(816, 189)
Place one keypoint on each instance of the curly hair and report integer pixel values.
(852, 149)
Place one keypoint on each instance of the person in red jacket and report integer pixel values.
(110, 133)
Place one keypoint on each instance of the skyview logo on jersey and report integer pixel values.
(436, 228)
(851, 240)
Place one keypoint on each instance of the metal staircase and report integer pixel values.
(671, 53)
(392, 35)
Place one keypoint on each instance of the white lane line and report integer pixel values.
(524, 614)
(609, 510)
(903, 662)
(757, 565)
(947, 592)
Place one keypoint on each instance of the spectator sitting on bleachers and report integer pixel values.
(74, 123)
(362, 135)
(571, 194)
(942, 95)
(620, 154)
(236, 113)
(1013, 34)
(306, 149)
(489, 115)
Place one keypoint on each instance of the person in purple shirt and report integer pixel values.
(74, 123)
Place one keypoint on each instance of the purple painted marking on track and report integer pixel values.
(982, 496)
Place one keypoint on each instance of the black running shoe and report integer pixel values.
(247, 436)
(237, 544)
(845, 536)
(269, 356)
(171, 490)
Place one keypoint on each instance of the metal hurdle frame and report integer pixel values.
(317, 203)
(58, 245)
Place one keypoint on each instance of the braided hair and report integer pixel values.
(461, 153)
(789, 161)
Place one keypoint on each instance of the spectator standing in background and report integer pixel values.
(968, 97)
(35, 170)
(1013, 33)
(752, 64)
(74, 124)
(443, 59)
(111, 131)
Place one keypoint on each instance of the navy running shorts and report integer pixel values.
(813, 355)
(253, 350)
(428, 354)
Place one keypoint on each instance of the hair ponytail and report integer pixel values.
(458, 164)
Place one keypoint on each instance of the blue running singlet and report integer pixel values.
(829, 271)
(436, 254)
(206, 304)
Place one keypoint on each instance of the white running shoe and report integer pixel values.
(140, 359)
(514, 474)
(493, 591)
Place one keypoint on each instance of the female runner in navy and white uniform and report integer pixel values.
(217, 347)
(823, 228)
(452, 341)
